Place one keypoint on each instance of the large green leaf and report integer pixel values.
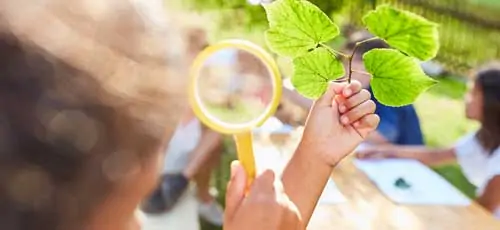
(314, 70)
(397, 79)
(297, 26)
(403, 30)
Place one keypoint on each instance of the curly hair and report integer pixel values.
(86, 96)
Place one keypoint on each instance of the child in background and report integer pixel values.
(191, 154)
(477, 153)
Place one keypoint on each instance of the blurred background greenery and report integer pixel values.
(469, 29)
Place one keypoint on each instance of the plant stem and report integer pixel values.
(340, 80)
(334, 52)
(351, 57)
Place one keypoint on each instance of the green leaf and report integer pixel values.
(297, 26)
(403, 30)
(314, 70)
(397, 79)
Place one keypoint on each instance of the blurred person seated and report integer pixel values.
(398, 125)
(192, 154)
(90, 94)
(477, 153)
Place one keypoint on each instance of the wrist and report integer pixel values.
(313, 153)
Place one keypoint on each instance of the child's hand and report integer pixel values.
(339, 121)
(266, 206)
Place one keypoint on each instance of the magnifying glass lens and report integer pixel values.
(234, 87)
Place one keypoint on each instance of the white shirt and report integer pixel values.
(477, 164)
(183, 142)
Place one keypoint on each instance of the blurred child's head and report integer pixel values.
(483, 104)
(88, 97)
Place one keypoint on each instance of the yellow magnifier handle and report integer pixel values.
(244, 148)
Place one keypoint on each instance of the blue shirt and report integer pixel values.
(399, 125)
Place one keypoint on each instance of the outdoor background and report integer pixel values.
(470, 36)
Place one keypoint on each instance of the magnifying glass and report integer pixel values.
(235, 86)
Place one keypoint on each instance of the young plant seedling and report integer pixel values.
(300, 30)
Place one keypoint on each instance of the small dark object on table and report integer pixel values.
(402, 183)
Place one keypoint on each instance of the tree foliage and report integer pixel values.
(237, 13)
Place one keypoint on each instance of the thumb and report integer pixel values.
(264, 186)
(338, 87)
(328, 99)
(235, 192)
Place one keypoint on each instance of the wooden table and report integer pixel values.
(369, 209)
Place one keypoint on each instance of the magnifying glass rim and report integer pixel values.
(195, 101)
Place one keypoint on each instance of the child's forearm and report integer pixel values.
(490, 199)
(304, 179)
(428, 156)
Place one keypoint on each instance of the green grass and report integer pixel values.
(221, 177)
